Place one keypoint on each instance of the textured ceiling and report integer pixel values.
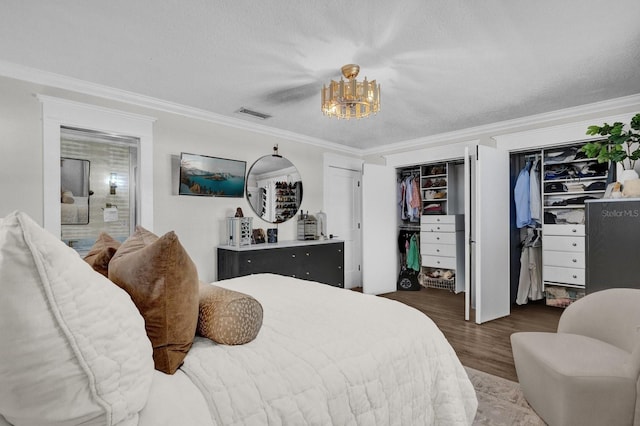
(443, 65)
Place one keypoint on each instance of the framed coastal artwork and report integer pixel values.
(202, 175)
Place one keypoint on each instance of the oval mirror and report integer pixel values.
(274, 188)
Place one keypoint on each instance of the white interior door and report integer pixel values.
(379, 239)
(343, 209)
(491, 233)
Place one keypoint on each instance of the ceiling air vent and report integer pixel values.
(256, 114)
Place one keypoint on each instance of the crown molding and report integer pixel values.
(32, 75)
(509, 126)
(20, 72)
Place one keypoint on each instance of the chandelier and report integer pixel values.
(350, 98)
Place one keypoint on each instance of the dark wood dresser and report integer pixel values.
(313, 260)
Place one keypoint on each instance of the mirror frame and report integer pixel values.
(281, 187)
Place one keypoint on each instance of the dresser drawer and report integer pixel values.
(438, 237)
(573, 276)
(435, 219)
(558, 243)
(566, 259)
(438, 227)
(577, 230)
(447, 250)
(439, 262)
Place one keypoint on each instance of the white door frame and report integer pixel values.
(57, 112)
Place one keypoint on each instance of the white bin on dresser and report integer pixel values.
(442, 249)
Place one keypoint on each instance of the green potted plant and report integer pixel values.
(620, 146)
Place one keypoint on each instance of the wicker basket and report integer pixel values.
(441, 283)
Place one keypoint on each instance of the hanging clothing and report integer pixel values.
(413, 254)
(401, 202)
(403, 240)
(535, 201)
(407, 197)
(530, 284)
(521, 194)
(412, 196)
(416, 199)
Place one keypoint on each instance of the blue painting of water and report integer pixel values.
(232, 186)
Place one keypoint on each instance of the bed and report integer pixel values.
(74, 210)
(323, 355)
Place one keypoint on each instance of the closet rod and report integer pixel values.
(535, 156)
(410, 172)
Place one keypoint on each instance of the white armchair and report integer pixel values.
(586, 373)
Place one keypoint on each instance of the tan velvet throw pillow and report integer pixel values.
(228, 317)
(101, 253)
(162, 281)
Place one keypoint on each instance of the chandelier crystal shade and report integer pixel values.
(351, 98)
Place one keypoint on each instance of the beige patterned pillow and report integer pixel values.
(228, 317)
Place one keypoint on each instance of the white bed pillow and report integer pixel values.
(74, 348)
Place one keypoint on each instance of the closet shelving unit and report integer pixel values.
(434, 186)
(563, 255)
(575, 178)
(441, 230)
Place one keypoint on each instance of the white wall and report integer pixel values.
(198, 221)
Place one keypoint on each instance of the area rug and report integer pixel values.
(500, 401)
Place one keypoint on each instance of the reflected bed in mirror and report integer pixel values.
(74, 191)
(274, 188)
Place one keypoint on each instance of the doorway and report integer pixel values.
(343, 206)
(108, 200)
(58, 113)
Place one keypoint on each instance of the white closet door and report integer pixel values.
(379, 239)
(491, 226)
(467, 234)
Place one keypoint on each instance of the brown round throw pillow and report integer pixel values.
(228, 317)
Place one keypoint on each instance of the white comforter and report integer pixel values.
(327, 356)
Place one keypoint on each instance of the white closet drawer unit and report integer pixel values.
(562, 243)
(438, 227)
(577, 230)
(439, 262)
(447, 250)
(572, 276)
(448, 218)
(565, 259)
(437, 238)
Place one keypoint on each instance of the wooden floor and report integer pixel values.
(485, 347)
